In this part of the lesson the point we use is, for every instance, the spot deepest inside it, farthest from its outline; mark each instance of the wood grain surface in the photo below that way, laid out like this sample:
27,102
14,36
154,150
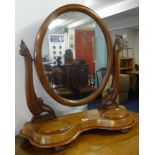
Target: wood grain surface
94,142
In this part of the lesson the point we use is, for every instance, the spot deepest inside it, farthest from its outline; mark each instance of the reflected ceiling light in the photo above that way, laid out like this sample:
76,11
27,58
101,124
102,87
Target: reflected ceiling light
55,23
79,22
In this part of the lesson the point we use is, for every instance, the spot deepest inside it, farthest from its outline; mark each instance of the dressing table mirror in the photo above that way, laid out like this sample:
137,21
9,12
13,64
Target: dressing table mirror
74,59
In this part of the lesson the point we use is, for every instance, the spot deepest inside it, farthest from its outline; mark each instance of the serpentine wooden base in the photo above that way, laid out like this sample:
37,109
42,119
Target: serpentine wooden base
65,129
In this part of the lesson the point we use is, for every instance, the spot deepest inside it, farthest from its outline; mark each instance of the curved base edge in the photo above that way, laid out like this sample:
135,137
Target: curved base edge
67,128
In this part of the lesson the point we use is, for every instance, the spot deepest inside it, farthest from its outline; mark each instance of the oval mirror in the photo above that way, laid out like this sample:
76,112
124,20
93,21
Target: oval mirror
74,55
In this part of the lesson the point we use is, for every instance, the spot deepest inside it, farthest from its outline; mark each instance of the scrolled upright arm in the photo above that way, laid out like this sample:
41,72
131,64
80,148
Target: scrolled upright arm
37,107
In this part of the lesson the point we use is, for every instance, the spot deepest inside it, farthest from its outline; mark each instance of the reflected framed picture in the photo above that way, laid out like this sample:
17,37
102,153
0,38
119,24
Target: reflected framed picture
71,45
71,38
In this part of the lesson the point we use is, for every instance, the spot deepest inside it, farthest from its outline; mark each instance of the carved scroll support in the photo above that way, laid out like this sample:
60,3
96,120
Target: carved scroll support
110,101
37,107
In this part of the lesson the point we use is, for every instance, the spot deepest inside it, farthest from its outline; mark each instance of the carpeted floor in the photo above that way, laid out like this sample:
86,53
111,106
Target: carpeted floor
131,104
133,101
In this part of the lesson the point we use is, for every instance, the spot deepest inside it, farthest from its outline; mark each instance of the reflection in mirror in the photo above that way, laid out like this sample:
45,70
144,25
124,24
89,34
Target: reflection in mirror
74,55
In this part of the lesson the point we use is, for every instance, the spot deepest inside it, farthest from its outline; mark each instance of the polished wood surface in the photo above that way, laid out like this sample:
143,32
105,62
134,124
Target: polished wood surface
67,128
94,142
39,63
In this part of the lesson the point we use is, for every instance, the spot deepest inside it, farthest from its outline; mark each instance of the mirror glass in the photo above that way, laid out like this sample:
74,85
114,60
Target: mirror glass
74,55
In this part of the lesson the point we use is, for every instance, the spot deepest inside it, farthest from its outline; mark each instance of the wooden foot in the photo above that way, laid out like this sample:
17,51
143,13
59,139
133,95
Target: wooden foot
60,148
125,130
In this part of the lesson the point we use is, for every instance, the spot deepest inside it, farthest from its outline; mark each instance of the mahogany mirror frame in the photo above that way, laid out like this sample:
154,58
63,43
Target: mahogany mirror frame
38,54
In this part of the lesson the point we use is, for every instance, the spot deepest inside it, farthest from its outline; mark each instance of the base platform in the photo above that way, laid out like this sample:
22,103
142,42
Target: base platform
65,129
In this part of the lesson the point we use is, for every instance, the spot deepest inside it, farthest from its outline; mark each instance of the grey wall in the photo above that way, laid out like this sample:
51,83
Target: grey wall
133,39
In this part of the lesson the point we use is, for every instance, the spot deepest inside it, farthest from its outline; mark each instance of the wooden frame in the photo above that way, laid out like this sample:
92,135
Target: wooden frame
38,49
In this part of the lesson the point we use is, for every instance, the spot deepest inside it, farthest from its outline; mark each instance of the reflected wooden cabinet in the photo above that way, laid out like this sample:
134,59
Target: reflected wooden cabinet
70,81
127,61
127,65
